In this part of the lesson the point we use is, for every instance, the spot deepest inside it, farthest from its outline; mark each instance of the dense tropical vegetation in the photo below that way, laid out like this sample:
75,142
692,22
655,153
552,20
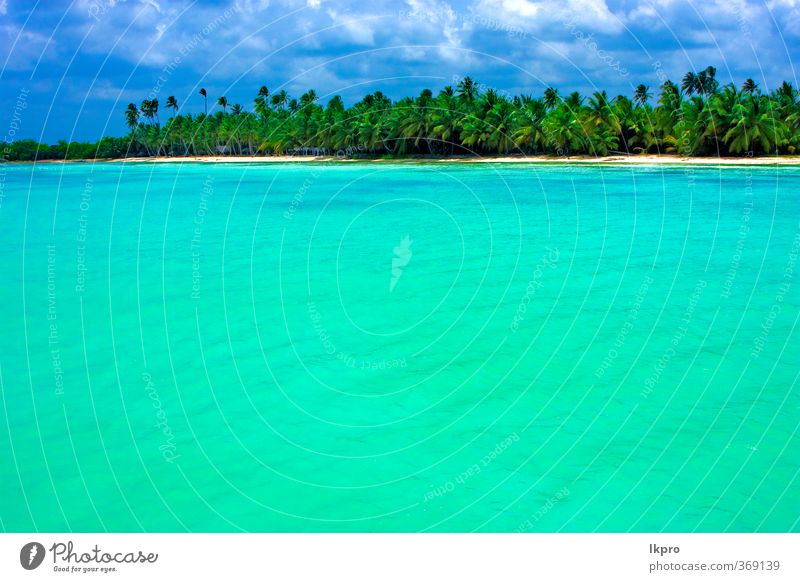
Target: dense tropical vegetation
696,118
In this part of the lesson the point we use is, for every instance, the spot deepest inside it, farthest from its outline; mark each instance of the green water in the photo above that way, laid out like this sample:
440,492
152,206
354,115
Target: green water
369,347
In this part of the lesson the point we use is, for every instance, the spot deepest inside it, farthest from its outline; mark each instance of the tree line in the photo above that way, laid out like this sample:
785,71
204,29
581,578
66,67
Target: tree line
696,118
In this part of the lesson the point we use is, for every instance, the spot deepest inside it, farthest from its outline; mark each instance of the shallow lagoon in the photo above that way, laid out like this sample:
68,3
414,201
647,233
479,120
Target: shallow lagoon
381,347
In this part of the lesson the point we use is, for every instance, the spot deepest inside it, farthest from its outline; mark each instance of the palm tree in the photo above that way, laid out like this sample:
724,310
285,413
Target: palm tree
786,94
172,103
601,124
424,99
702,83
695,130
132,116
132,121
530,118
755,125
308,98
635,125
500,122
709,81
467,90
749,86
416,124
574,101
260,103
601,112
669,90
447,118
669,100
148,109
642,94
280,98
697,118
563,129
689,83
205,99
336,104
490,99
260,107
550,97
474,131
371,131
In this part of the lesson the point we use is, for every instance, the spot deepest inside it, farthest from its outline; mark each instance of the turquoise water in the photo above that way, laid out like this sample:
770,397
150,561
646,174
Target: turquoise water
370,347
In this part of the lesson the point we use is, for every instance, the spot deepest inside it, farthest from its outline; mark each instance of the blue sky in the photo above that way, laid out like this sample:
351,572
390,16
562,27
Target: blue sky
78,64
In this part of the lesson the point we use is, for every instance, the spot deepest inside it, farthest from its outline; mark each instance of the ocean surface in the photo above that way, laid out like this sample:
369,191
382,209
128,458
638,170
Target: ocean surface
399,347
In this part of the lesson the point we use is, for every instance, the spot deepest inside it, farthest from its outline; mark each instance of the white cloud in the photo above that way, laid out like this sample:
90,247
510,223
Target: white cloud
28,46
253,5
593,15
788,14
356,30
106,91
438,15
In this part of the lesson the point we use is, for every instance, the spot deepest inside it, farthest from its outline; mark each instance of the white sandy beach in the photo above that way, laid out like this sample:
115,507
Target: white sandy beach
624,160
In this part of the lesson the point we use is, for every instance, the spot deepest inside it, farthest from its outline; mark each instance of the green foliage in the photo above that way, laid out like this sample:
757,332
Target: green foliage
28,150
695,118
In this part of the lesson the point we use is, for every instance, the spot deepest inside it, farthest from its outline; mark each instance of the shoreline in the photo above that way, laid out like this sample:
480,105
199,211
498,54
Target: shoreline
646,159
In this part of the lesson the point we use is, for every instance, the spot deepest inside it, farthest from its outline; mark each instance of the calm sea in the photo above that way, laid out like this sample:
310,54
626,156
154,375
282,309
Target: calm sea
399,347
